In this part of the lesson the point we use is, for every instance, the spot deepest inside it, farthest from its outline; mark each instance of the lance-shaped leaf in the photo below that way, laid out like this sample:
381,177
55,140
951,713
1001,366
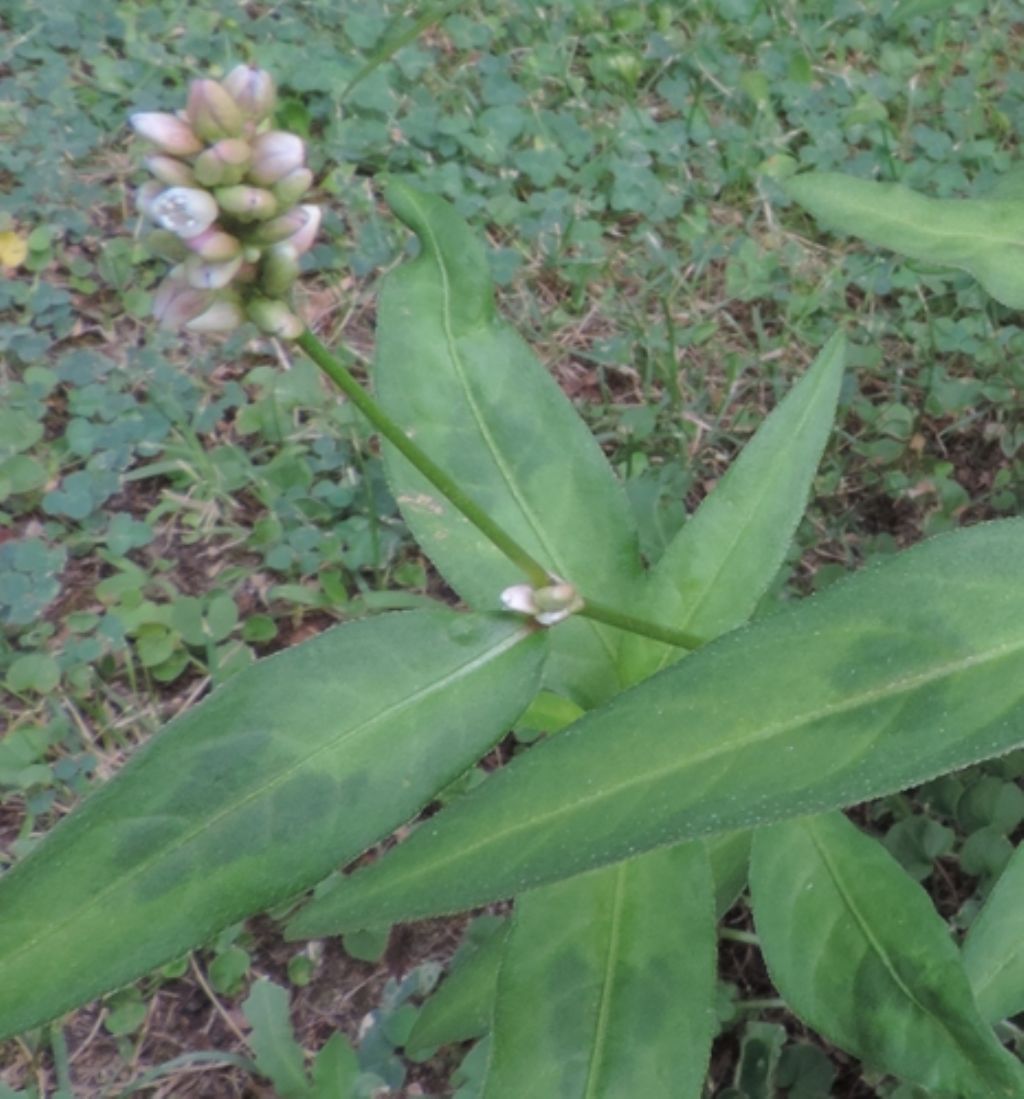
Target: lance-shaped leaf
994,947
984,237
857,950
910,668
463,1007
479,403
722,561
606,983
295,765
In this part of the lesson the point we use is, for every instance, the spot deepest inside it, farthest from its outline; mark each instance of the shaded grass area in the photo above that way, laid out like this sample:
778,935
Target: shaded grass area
172,509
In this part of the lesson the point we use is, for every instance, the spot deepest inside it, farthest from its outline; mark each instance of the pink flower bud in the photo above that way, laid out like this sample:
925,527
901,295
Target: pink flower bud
274,155
212,111
224,315
169,133
176,303
252,89
247,203
275,318
215,246
210,276
174,173
279,270
186,211
290,188
302,239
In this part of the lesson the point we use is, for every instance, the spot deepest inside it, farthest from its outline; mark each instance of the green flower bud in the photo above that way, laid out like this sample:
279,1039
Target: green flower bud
279,270
175,173
246,203
168,132
252,89
186,211
275,318
290,188
212,112
281,227
274,155
224,163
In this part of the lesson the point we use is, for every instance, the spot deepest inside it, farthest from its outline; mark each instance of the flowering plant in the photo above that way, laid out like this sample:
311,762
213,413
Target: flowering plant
226,196
670,779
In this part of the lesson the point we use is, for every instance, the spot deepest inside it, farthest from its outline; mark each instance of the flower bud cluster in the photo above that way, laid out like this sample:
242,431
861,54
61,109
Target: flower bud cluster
225,200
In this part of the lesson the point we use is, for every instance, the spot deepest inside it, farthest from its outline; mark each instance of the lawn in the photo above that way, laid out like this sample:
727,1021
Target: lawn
173,508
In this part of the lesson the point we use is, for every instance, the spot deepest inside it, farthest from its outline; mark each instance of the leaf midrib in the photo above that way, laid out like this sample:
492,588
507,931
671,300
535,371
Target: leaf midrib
611,961
849,901
541,821
506,474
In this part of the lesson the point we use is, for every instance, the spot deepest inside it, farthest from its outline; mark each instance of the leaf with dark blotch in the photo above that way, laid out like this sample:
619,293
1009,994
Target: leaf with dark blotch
910,668
296,765
857,950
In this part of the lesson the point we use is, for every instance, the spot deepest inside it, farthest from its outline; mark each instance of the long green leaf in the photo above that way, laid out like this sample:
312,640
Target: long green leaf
908,669
984,237
606,982
294,766
858,951
994,947
463,1007
720,564
489,414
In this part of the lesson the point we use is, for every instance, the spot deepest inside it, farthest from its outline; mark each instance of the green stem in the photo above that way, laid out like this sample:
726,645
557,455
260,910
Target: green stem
610,617
536,573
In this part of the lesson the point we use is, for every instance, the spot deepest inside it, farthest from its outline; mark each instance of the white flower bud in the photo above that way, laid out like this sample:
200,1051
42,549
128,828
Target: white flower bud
252,89
210,276
169,133
224,315
186,211
519,598
176,303
274,155
548,605
302,239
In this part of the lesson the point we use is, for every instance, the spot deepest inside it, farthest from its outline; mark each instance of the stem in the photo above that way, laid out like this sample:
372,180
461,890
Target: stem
738,936
611,617
338,373
536,573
